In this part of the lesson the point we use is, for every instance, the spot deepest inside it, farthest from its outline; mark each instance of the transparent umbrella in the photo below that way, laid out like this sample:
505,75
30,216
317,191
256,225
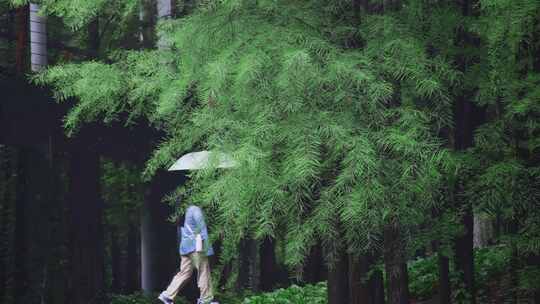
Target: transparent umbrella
203,159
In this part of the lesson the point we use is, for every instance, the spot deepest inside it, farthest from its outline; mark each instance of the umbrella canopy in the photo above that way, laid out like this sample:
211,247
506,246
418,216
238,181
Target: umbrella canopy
201,160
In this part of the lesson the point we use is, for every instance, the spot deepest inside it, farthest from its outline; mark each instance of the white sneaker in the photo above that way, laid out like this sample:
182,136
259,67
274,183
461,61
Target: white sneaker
199,301
166,300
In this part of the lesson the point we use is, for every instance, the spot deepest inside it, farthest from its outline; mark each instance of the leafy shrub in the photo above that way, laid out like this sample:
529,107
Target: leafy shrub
423,277
309,294
138,298
490,263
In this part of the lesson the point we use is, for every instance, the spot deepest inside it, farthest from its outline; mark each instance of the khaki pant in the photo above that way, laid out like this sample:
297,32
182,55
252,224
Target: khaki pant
187,264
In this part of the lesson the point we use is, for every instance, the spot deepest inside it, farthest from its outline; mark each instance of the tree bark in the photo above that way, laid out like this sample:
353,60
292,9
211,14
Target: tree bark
38,39
444,278
395,266
249,272
8,182
338,280
159,252
377,283
314,269
20,260
149,238
94,39
131,273
360,285
464,112
22,37
464,244
483,230
443,263
464,253
86,241
115,261
534,261
270,270
147,19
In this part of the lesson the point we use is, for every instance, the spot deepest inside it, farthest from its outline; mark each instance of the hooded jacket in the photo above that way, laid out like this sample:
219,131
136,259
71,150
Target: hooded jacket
194,224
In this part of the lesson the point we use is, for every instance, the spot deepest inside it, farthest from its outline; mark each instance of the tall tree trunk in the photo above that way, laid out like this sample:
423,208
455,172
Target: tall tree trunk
444,277
249,275
115,261
482,231
8,184
94,39
360,287
157,264
270,270
21,252
86,241
159,252
131,265
464,254
395,266
149,273
464,126
4,220
377,283
443,264
22,34
243,265
147,19
314,269
464,244
533,260
338,279
254,266
38,39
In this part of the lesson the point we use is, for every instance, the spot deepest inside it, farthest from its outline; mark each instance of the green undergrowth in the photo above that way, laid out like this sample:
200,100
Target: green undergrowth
492,276
312,294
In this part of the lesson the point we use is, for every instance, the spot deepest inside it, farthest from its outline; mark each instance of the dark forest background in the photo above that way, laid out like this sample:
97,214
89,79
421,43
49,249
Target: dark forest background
390,148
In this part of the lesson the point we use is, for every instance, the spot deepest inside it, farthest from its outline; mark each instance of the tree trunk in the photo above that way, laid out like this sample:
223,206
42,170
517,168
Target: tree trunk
534,261
115,261
94,39
464,244
314,269
444,278
147,19
159,252
270,270
443,265
483,230
360,285
254,266
4,221
465,255
377,283
249,265
464,127
8,183
21,252
22,36
38,39
131,266
149,238
395,266
87,254
338,280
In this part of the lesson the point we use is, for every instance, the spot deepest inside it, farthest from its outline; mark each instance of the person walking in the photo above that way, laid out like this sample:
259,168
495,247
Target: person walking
195,248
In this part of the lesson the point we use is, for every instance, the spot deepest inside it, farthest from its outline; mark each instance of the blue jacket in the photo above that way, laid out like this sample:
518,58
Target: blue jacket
193,224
